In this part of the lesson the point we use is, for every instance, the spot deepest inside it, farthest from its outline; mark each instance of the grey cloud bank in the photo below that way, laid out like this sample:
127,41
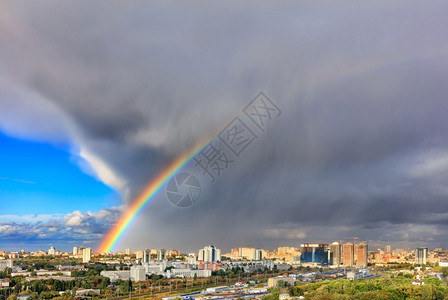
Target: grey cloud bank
360,147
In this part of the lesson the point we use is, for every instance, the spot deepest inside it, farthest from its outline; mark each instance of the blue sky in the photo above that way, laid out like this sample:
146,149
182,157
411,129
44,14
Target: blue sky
42,178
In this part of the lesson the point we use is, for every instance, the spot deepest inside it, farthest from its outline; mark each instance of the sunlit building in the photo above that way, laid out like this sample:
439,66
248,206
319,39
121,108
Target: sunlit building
86,255
421,256
161,254
361,254
51,251
336,253
348,254
209,254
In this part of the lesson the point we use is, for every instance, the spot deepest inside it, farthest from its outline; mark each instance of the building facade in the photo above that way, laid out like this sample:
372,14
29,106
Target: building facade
209,254
361,254
336,253
161,254
315,253
421,256
86,255
138,273
348,254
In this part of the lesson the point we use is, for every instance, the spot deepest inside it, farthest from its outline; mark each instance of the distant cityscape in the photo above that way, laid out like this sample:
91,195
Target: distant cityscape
173,263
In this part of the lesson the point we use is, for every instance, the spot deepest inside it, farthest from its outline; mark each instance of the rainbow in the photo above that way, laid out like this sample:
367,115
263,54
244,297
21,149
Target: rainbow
149,193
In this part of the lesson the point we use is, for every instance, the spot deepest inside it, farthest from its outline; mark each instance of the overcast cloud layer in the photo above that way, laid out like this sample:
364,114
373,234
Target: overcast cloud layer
360,148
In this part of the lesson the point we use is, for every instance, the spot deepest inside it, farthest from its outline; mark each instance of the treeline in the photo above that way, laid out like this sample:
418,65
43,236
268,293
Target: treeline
49,288
378,288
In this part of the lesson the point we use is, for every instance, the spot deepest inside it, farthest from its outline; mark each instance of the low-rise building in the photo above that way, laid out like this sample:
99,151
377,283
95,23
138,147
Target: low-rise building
84,292
8,263
115,275
273,281
187,273
4,283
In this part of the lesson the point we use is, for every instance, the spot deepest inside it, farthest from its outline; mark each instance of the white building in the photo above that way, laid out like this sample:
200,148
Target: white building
187,273
51,251
9,263
191,260
161,254
4,283
138,273
115,275
86,255
209,254
157,268
75,250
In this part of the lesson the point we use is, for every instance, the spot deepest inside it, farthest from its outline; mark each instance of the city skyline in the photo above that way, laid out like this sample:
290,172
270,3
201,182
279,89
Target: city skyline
336,254
224,250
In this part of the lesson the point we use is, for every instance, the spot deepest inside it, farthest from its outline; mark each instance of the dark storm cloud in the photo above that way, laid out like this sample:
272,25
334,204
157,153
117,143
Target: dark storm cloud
359,149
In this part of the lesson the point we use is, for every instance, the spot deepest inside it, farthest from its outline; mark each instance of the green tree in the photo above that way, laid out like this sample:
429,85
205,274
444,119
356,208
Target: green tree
426,292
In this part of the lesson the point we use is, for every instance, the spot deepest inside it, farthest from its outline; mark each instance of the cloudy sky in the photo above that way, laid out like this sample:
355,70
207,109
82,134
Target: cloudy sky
98,97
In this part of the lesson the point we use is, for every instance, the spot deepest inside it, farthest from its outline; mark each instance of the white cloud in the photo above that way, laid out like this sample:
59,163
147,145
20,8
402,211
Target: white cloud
76,219
430,164
70,227
104,172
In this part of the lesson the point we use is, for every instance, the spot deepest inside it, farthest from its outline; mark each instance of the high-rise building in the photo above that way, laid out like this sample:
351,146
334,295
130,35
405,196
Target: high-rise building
128,251
246,253
361,254
146,256
86,255
51,251
209,254
348,254
336,251
161,254
421,256
258,254
235,252
75,250
315,253
387,249
218,255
